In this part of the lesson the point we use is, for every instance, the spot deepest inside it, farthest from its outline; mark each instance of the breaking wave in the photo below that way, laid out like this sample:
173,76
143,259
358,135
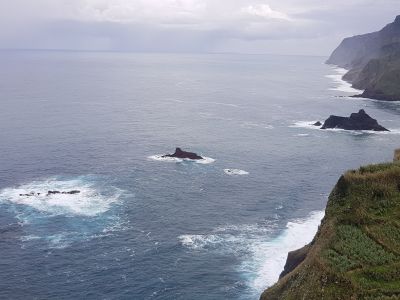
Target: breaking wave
261,249
58,220
342,85
91,200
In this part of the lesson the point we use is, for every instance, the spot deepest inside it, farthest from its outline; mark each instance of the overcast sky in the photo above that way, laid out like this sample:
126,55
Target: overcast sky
311,27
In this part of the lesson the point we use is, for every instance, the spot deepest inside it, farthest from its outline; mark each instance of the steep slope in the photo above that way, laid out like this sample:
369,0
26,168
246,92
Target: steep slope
356,252
373,61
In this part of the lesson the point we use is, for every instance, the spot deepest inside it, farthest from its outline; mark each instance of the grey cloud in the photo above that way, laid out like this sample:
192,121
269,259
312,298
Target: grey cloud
280,26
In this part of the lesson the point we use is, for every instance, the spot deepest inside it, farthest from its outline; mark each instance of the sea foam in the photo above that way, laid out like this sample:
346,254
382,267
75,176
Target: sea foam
269,256
91,201
235,172
262,253
342,85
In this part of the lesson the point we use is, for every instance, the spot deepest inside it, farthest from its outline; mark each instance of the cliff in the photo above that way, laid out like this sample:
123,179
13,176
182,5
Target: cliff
373,61
356,251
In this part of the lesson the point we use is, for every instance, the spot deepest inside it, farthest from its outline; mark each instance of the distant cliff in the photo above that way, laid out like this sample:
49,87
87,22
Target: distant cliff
373,61
356,251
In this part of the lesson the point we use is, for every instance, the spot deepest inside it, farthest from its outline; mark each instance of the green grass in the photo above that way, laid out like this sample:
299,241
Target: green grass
356,254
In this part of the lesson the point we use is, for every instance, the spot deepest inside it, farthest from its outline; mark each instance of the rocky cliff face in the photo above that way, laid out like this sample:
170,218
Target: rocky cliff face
356,252
373,61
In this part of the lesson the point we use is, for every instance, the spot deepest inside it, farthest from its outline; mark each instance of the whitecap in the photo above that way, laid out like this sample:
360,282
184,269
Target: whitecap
235,172
31,237
198,241
342,85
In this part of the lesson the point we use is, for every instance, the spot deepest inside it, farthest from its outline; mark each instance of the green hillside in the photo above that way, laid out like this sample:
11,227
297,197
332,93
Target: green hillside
356,252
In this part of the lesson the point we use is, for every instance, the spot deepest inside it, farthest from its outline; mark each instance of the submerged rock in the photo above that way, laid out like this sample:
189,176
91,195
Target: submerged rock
31,194
179,153
356,121
74,192
53,193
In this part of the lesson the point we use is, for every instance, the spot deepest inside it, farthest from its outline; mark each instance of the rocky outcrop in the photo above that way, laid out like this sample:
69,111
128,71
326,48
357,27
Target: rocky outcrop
318,123
294,259
179,153
355,253
373,61
356,121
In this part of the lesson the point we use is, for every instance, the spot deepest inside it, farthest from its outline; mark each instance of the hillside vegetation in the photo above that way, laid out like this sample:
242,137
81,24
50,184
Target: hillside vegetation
356,252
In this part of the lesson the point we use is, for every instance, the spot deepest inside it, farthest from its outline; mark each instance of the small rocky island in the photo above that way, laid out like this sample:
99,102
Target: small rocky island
356,121
179,153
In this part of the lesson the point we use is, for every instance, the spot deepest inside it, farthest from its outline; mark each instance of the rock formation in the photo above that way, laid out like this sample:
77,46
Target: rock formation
179,153
356,121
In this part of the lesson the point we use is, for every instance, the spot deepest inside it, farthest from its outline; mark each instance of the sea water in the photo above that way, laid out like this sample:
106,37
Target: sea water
145,227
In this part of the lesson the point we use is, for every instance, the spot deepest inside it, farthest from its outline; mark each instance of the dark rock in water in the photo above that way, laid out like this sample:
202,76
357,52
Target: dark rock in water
28,195
294,259
356,121
74,192
53,192
179,153
317,123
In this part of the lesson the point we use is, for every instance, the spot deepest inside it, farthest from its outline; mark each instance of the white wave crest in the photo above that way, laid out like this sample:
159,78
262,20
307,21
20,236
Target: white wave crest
235,172
305,124
89,202
342,85
161,157
263,256
269,257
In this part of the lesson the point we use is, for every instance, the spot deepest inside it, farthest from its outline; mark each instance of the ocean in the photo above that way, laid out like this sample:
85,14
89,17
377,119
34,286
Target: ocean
143,227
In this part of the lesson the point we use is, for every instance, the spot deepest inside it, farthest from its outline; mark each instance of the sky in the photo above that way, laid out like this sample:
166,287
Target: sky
302,27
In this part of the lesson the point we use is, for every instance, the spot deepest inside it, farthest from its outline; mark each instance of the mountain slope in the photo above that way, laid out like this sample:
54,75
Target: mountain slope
356,252
373,61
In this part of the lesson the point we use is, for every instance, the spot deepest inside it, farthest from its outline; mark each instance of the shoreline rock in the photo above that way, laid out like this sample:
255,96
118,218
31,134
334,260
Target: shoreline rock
294,259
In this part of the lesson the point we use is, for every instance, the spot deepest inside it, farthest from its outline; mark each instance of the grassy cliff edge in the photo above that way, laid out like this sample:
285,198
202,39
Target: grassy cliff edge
356,251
